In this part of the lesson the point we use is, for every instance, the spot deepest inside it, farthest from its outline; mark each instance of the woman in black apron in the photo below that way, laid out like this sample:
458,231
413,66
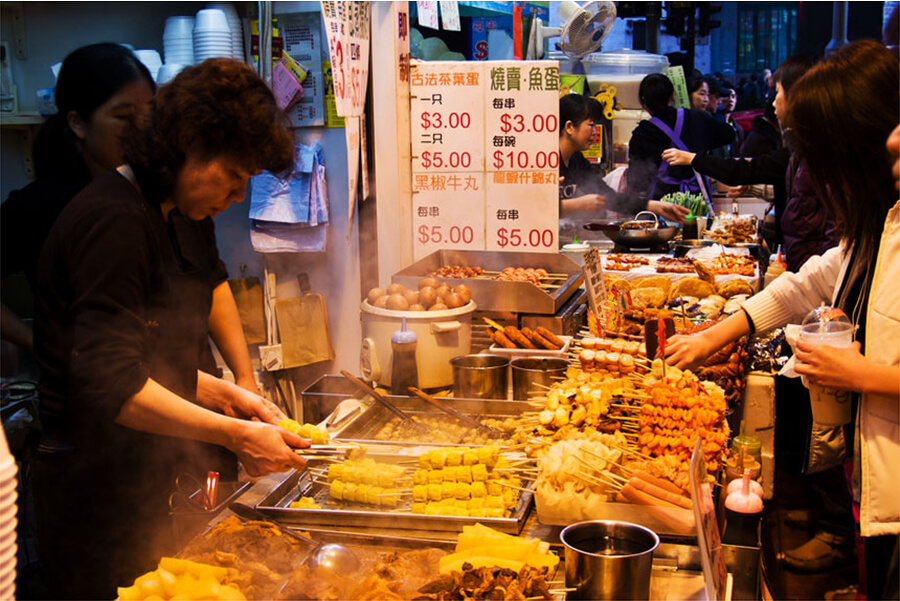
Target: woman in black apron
648,175
123,300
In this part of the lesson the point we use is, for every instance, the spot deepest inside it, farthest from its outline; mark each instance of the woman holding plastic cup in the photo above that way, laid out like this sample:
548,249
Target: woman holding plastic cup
852,175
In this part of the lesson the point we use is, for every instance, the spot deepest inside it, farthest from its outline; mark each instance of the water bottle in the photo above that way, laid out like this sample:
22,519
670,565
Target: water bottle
689,229
404,370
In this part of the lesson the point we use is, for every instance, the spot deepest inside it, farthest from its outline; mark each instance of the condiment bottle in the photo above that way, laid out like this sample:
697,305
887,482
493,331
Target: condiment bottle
776,267
744,443
404,370
689,229
743,510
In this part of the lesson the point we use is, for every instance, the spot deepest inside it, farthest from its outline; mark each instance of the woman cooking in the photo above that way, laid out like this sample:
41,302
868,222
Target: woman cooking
121,316
582,192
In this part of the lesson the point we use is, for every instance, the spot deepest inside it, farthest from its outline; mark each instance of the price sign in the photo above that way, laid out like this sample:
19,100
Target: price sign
448,212
712,558
522,115
522,211
446,117
347,25
593,281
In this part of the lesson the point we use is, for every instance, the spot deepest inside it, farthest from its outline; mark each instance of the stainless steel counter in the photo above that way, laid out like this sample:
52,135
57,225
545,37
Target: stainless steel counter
677,573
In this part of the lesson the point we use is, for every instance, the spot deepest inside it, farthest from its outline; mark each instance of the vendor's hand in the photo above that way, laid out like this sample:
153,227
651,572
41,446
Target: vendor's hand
829,366
250,405
688,351
669,210
735,191
673,156
264,449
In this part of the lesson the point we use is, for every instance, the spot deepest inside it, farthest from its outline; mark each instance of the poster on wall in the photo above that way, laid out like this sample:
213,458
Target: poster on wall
301,35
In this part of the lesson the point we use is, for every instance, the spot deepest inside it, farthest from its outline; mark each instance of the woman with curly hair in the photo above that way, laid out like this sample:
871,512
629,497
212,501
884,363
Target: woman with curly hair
121,317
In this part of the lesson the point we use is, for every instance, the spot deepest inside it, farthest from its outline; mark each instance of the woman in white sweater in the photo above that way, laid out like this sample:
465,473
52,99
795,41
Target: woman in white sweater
852,174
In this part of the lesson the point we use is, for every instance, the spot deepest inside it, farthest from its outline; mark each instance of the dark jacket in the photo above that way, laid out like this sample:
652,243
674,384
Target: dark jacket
767,169
701,132
808,231
764,137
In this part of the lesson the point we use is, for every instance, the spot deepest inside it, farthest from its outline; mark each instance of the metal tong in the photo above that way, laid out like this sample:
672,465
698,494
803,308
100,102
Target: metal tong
407,419
471,421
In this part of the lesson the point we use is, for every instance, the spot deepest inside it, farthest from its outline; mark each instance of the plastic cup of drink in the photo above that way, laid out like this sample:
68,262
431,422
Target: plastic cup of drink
830,407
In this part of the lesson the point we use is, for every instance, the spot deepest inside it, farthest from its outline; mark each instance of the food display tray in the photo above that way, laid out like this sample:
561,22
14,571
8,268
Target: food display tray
364,428
495,295
300,483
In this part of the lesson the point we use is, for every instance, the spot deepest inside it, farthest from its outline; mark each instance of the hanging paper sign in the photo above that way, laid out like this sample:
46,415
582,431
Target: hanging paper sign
428,13
676,76
450,15
448,212
594,284
302,40
347,25
351,131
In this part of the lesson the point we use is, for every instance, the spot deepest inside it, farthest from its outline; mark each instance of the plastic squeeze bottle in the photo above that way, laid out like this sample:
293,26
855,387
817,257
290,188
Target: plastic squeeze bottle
404,370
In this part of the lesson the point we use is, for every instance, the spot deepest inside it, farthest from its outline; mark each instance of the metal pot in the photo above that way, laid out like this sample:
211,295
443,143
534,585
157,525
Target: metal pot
608,559
441,335
528,371
480,376
635,237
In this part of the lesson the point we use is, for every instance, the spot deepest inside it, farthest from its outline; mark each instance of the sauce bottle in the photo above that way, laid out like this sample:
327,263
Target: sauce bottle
404,370
689,229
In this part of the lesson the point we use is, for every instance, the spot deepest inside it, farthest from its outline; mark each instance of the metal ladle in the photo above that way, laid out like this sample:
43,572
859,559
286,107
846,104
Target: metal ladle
337,558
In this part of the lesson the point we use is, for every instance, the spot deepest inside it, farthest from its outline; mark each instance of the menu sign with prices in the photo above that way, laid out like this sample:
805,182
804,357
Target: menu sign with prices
712,558
302,39
347,25
491,131
522,140
593,280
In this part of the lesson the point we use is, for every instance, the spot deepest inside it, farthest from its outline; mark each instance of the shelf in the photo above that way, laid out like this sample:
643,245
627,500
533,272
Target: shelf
14,119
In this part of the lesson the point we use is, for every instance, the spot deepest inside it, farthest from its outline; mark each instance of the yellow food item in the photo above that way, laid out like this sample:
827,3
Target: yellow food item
181,579
479,543
305,503
309,431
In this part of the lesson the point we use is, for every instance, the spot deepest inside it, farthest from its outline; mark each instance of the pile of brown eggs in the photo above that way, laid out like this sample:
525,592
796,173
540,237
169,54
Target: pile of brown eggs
432,295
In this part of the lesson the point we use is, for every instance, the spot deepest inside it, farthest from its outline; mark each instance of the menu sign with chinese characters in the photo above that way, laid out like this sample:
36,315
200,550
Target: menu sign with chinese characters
485,155
522,137
347,29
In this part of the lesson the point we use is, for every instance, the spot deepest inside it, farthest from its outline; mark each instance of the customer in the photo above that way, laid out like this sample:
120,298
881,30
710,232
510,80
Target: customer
98,89
695,130
698,92
801,225
122,309
582,192
764,136
860,277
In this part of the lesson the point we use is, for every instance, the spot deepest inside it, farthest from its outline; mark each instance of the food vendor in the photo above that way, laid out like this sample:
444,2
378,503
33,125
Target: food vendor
120,319
583,195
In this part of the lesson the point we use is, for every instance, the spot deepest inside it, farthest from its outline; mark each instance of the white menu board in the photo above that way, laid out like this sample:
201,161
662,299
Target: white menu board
485,155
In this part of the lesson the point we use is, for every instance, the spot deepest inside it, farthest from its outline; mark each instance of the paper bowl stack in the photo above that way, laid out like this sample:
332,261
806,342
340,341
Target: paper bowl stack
178,41
8,520
212,35
234,25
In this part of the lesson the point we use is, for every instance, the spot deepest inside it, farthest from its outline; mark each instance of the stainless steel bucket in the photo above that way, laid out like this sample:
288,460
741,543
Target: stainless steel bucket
480,376
528,371
608,560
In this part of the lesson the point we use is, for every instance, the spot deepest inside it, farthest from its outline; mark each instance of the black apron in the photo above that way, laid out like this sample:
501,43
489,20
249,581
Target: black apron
111,521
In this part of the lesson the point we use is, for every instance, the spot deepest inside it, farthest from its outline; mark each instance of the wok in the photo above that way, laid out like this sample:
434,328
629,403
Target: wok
658,234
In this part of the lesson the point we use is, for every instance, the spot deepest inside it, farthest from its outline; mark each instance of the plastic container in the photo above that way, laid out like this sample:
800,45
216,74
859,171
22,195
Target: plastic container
623,69
828,325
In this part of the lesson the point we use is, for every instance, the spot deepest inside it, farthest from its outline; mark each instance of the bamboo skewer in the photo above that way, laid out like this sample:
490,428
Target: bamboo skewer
514,487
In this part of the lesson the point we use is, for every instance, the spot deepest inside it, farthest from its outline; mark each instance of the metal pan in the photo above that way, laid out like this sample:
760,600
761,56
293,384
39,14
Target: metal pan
634,238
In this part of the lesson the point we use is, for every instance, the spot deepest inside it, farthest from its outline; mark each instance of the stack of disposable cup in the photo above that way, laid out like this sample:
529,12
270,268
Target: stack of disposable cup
826,325
234,25
212,36
8,520
178,41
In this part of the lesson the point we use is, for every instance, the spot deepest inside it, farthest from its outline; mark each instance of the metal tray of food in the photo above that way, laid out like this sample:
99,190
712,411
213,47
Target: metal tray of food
366,428
347,514
495,295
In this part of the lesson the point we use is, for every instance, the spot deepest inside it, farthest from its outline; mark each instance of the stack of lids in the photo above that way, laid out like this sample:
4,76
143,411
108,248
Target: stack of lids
8,520
234,25
212,35
178,41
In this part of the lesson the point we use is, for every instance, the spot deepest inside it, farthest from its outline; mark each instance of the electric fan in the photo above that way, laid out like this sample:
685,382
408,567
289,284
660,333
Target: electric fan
583,29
